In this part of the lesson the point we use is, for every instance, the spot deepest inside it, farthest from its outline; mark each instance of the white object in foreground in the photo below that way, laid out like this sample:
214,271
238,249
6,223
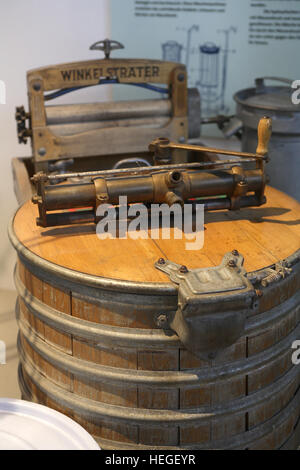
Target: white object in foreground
29,426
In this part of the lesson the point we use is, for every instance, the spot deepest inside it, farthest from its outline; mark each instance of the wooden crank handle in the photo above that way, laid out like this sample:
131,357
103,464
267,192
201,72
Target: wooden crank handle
264,132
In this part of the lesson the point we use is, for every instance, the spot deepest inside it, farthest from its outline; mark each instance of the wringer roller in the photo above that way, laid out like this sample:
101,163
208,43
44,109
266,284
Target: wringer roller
221,184
96,135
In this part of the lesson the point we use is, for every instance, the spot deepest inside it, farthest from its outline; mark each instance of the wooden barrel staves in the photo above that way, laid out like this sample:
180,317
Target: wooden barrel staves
97,321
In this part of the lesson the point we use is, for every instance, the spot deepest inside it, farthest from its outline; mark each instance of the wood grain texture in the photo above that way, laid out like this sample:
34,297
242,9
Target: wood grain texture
107,141
262,235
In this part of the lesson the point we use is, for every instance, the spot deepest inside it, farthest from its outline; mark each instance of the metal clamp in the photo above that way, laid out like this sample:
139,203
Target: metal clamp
101,191
279,272
212,304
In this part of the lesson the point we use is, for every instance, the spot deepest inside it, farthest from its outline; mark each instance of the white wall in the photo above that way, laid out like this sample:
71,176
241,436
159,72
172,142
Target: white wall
35,33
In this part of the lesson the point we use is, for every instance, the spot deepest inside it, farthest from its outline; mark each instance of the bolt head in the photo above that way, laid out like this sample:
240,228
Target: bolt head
231,263
101,197
35,199
42,151
161,261
211,356
183,269
161,321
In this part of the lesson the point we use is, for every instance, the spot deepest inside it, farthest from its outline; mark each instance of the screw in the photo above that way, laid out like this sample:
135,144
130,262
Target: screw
231,263
42,151
161,321
211,355
183,269
35,199
161,261
180,77
102,197
37,86
235,253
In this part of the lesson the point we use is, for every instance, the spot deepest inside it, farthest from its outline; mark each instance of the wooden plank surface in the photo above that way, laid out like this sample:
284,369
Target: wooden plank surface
263,235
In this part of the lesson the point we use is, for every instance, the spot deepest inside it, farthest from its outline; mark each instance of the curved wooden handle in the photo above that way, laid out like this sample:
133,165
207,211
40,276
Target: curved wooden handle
264,132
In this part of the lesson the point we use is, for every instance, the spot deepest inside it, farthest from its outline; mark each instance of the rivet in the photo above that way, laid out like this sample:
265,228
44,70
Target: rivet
42,151
161,261
35,199
161,320
183,269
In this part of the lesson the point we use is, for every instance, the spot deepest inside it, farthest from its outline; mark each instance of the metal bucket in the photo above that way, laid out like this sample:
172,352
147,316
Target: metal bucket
275,102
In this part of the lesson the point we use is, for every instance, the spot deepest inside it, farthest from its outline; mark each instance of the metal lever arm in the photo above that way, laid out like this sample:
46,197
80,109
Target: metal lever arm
161,147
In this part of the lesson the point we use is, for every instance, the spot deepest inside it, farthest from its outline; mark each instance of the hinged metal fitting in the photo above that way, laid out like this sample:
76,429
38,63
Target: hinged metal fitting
212,304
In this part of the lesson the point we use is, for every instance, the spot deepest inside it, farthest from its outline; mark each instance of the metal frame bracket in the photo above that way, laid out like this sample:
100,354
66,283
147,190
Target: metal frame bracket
212,304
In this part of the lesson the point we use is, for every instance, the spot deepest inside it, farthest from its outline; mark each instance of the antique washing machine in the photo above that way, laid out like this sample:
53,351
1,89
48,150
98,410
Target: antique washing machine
149,345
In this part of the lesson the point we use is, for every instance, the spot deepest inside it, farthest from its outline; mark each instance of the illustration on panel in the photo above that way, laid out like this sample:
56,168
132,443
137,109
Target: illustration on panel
207,65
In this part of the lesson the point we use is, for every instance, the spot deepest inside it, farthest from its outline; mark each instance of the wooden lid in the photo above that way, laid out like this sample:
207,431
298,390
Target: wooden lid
262,235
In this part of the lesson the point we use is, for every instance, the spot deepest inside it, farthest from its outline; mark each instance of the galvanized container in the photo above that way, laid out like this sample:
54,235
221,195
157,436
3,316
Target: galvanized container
284,149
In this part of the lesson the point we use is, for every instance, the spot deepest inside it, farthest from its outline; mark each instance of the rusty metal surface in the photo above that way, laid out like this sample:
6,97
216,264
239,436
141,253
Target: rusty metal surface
93,410
278,431
206,329
136,340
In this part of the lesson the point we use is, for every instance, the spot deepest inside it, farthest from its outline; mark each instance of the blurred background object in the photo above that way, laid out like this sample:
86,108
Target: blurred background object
32,34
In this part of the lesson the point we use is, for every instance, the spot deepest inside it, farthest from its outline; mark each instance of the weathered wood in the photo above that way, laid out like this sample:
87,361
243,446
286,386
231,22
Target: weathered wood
74,74
80,128
22,184
254,232
50,146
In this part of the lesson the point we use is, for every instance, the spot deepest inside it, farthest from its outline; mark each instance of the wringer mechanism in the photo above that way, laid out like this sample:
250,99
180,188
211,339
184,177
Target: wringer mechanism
221,184
203,321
